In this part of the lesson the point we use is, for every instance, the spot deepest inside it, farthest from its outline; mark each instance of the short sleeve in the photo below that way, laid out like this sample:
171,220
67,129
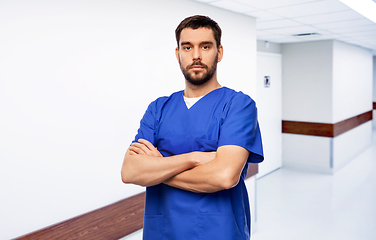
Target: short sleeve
240,127
147,125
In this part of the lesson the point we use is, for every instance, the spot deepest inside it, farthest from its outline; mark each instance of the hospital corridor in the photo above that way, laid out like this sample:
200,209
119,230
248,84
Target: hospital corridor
81,81
302,205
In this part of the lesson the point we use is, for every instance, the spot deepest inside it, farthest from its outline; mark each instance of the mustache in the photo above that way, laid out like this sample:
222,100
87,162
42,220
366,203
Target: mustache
197,63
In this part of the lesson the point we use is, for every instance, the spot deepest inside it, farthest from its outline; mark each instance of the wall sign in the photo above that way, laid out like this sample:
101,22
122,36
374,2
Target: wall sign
267,81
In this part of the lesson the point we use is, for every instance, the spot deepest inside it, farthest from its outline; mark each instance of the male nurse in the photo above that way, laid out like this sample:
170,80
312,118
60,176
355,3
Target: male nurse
193,148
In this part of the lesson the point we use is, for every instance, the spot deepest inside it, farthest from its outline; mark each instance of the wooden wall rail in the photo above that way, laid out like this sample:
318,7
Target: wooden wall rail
325,129
252,170
108,223
374,105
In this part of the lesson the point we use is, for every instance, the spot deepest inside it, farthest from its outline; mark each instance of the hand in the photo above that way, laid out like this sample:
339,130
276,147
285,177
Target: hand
144,147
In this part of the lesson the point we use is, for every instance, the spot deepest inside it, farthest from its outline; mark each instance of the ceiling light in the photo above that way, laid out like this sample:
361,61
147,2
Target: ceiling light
365,7
305,34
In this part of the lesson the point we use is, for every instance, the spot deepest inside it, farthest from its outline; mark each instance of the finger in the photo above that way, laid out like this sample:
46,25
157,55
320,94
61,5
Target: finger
132,153
139,145
142,146
154,151
137,150
150,152
147,144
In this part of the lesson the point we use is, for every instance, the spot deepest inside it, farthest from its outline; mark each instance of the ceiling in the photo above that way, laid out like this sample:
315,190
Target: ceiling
282,21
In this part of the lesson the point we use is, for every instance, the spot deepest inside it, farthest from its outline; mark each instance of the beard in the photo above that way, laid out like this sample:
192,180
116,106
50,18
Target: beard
197,77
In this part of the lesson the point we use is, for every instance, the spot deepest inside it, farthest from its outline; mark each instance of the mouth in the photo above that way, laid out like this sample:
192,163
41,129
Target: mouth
197,66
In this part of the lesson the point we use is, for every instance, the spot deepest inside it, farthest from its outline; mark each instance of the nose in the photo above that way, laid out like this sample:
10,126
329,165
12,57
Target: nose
196,54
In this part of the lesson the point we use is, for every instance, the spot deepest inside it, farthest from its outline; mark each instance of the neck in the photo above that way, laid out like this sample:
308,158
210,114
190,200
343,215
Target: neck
192,91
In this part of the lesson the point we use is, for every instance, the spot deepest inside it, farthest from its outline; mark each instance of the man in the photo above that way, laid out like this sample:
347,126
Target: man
193,148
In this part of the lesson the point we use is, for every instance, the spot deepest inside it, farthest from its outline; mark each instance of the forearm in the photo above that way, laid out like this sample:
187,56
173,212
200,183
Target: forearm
194,181
221,173
147,170
206,178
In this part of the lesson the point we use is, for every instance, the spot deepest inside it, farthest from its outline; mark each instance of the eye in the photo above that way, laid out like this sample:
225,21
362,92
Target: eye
187,48
206,47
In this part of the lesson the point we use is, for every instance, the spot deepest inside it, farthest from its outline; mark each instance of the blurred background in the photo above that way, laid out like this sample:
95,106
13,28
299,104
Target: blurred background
77,76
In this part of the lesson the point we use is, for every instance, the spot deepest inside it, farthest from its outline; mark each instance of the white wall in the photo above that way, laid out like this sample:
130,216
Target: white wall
323,154
352,81
374,90
327,82
75,79
269,107
352,95
350,144
251,184
374,78
269,47
306,152
307,81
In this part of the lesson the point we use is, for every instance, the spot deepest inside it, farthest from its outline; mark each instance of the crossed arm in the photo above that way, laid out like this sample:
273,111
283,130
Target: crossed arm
196,171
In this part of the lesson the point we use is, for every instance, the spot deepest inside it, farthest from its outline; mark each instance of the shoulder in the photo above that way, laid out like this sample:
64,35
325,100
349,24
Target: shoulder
236,99
236,95
160,102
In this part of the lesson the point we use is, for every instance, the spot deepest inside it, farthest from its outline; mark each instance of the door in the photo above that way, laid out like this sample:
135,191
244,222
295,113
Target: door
269,105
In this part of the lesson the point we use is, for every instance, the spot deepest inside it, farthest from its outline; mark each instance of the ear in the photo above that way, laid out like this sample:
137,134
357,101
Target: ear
177,53
220,53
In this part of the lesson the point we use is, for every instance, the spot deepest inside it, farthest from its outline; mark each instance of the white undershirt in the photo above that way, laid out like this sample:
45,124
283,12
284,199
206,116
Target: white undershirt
191,101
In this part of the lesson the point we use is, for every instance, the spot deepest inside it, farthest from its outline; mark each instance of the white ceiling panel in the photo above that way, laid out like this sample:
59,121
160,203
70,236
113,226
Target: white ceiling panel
278,20
288,40
233,6
267,4
205,1
271,37
330,17
288,32
365,38
307,9
359,34
368,28
346,24
277,24
262,16
327,37
263,33
322,31
293,30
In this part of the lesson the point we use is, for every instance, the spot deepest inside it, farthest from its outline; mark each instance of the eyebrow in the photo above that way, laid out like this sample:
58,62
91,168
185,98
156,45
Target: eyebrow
207,43
185,43
202,43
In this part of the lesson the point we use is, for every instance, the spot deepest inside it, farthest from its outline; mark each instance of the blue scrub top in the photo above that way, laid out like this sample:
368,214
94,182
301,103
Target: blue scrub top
222,117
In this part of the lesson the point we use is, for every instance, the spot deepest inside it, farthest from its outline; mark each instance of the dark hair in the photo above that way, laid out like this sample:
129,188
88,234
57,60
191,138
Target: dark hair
199,21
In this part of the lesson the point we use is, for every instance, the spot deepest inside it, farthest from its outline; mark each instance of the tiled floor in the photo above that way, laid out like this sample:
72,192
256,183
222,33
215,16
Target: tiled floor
298,205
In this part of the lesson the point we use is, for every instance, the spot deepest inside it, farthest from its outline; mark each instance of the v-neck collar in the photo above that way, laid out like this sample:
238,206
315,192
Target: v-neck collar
191,101
200,100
